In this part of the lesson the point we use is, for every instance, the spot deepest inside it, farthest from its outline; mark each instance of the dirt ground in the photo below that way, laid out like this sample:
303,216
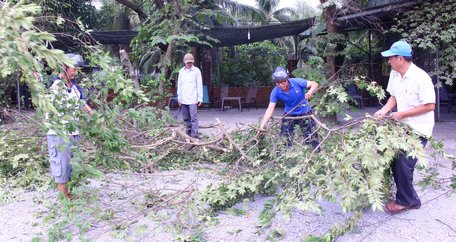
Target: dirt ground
434,221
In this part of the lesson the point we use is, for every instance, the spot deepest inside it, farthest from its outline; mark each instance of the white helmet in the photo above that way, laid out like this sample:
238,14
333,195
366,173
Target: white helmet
279,74
77,59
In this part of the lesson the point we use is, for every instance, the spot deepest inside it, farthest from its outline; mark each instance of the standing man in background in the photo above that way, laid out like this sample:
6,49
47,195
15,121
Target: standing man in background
190,94
412,91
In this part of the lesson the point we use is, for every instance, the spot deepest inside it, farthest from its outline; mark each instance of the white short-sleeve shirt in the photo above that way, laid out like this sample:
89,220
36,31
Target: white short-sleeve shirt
412,90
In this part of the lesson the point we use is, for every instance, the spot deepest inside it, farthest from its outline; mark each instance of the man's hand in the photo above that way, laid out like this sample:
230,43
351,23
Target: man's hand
89,109
308,95
260,133
381,113
199,104
397,116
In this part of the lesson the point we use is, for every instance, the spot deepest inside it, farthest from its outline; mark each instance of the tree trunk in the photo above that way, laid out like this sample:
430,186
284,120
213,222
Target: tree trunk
129,67
166,59
329,14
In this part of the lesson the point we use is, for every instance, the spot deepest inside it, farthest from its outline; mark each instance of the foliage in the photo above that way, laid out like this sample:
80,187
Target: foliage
349,56
344,53
332,97
7,87
71,12
24,51
68,219
114,16
313,70
22,159
270,12
267,12
351,169
171,28
431,26
226,195
252,64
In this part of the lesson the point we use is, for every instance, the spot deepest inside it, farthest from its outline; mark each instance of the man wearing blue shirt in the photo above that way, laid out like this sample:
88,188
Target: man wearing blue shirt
294,93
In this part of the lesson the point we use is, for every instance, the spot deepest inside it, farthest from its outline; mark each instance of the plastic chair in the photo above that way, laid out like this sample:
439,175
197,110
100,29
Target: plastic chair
206,101
445,99
250,99
224,96
172,101
353,92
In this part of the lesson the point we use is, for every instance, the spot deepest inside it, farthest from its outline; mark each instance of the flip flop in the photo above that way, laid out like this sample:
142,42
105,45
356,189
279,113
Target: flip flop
393,207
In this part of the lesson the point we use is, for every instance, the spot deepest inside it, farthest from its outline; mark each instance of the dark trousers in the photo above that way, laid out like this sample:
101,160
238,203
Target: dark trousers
403,168
305,124
190,115
25,95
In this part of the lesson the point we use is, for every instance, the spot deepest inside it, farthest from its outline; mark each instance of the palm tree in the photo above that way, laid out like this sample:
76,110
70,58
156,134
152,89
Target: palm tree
118,17
303,11
236,11
270,13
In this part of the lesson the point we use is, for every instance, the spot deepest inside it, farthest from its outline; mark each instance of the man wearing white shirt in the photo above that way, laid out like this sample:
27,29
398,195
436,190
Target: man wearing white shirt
190,94
412,91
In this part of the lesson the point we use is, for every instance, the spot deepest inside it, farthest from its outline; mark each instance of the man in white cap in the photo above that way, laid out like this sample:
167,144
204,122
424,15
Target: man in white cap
412,92
67,97
190,94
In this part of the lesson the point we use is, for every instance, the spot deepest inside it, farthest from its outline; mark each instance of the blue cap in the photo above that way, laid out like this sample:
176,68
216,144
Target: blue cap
401,48
77,59
279,74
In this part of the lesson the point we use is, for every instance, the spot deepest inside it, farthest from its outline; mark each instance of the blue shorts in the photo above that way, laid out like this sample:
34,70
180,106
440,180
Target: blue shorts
60,156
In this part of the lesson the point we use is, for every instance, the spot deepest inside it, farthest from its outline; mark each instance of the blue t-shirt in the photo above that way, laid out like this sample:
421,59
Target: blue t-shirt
295,95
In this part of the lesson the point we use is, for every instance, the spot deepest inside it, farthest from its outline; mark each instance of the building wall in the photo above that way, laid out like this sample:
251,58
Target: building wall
262,98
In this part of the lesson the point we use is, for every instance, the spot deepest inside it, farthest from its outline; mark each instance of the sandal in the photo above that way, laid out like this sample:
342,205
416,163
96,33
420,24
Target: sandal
393,207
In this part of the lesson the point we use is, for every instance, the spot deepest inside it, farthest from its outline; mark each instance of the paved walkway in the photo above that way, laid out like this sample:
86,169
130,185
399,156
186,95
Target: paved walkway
232,117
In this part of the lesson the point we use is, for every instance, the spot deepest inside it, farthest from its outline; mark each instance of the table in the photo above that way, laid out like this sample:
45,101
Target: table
229,99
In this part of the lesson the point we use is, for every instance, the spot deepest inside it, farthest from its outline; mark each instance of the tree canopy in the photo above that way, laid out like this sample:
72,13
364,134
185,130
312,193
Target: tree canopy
431,27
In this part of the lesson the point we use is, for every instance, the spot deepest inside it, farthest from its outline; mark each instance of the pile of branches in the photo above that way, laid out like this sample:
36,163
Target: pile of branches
350,166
